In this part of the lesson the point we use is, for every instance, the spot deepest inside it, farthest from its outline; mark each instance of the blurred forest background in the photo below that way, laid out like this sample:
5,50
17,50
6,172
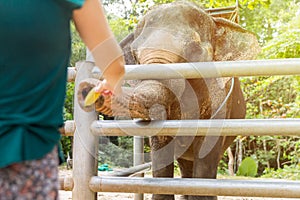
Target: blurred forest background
277,26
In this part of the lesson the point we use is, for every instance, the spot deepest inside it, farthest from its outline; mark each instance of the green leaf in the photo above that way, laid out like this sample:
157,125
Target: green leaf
248,167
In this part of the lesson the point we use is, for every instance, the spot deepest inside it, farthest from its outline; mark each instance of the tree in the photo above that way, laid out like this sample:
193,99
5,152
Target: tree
275,96
286,43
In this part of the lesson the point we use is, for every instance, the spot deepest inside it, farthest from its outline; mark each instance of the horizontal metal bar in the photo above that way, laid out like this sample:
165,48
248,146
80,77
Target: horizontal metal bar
207,69
66,183
188,186
214,69
132,170
71,74
215,127
69,128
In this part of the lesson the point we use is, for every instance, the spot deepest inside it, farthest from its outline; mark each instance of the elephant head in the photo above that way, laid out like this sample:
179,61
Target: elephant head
175,33
181,32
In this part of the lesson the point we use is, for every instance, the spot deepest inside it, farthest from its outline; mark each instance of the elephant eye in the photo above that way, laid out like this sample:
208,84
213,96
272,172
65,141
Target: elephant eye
192,52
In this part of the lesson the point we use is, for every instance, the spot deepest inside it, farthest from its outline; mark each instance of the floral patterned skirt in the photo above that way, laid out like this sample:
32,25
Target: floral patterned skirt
36,179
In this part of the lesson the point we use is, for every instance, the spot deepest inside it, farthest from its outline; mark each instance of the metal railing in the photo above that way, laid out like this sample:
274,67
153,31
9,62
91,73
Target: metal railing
85,182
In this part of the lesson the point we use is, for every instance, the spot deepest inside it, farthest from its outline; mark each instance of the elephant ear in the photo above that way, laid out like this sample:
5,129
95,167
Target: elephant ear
232,42
125,44
177,86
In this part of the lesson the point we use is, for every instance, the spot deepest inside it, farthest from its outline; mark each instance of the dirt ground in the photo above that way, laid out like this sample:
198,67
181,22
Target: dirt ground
67,195
63,195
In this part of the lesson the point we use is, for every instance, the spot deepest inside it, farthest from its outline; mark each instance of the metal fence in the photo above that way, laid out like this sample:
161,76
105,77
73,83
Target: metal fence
86,129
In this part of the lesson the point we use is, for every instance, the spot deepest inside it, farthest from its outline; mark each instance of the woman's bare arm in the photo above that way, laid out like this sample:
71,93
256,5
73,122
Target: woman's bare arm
93,28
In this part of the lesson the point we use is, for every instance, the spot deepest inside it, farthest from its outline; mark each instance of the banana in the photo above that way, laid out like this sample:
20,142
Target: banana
91,97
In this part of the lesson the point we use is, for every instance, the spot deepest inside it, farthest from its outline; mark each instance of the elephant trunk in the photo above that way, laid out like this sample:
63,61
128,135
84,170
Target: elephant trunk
104,102
139,102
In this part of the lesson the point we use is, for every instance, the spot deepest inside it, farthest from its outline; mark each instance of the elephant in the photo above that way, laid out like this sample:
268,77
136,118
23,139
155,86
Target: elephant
181,32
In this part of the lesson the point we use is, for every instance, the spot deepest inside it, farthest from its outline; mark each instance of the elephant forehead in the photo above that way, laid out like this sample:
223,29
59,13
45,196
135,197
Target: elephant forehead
176,20
174,13
160,38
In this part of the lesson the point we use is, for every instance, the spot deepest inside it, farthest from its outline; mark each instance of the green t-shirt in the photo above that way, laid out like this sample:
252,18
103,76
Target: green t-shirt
34,56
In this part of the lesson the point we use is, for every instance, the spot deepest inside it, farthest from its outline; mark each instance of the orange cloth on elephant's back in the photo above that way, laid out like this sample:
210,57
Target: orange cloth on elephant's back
34,56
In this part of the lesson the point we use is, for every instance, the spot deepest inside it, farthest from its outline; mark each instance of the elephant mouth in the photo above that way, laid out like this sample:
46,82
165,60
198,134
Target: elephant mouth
157,56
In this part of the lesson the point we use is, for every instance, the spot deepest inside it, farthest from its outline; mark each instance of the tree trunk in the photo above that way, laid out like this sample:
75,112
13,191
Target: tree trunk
240,151
278,153
230,162
265,150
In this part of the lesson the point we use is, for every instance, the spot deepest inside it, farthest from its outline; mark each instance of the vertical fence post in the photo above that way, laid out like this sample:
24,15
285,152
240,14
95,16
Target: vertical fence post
85,149
138,159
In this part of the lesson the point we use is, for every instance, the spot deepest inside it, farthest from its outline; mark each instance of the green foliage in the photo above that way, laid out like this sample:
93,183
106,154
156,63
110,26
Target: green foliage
253,4
248,167
78,47
272,97
121,155
291,172
217,4
269,97
69,102
66,143
121,28
271,151
223,165
286,45
275,96
68,115
268,17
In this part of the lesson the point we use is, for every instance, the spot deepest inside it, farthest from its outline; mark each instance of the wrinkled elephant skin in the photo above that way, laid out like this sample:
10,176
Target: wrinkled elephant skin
181,32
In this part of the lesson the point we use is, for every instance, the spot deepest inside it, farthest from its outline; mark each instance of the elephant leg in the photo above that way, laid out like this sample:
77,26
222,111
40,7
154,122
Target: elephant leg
186,170
162,150
206,159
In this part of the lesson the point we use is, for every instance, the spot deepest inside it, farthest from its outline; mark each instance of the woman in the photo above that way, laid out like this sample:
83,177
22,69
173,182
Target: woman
34,55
